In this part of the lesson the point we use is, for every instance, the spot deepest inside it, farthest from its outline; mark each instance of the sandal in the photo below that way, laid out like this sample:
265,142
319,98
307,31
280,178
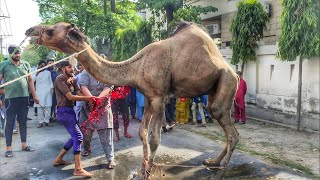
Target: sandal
48,124
86,153
39,125
111,164
28,148
8,154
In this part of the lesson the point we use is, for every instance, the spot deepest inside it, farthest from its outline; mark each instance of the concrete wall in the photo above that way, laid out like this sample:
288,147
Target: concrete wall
273,88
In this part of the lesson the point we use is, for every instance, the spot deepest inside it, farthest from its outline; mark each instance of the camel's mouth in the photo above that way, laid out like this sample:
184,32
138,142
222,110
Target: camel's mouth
33,32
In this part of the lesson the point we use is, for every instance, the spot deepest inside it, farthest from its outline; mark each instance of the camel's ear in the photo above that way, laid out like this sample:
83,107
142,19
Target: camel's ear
71,26
76,35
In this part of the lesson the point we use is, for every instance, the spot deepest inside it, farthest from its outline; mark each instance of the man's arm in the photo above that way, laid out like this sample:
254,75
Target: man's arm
72,97
105,92
32,90
85,91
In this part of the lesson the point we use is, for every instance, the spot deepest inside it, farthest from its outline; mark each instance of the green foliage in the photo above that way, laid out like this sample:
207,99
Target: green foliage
159,4
300,30
1,57
31,56
129,41
88,15
191,14
34,54
186,13
247,29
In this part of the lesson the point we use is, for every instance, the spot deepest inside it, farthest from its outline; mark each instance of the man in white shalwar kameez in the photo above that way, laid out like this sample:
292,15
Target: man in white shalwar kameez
44,90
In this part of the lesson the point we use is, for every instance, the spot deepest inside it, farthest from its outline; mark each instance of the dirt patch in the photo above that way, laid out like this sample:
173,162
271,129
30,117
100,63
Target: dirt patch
280,145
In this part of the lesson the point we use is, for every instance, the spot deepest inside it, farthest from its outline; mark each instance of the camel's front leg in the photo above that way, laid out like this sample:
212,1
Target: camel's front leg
158,117
143,133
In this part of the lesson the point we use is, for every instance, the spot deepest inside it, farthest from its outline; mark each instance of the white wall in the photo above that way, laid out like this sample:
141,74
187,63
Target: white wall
279,92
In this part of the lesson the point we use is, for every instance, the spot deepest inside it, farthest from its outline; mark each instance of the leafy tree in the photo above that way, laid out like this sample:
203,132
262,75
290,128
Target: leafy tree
180,12
92,17
191,14
300,36
138,36
168,7
247,29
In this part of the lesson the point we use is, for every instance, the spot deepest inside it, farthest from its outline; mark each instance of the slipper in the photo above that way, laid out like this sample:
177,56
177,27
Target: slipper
28,148
48,124
8,154
111,164
63,162
86,153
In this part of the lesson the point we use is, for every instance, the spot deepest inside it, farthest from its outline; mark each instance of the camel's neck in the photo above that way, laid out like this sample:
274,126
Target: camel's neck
105,71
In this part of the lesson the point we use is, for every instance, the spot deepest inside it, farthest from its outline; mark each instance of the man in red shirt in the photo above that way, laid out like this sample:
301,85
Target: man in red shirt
239,102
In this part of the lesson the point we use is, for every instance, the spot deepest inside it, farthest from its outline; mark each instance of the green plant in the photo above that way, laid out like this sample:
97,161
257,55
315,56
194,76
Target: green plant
300,36
247,29
129,41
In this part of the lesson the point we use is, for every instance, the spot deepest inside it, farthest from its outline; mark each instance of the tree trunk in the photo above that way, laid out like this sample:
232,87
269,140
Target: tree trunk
180,3
299,94
113,6
242,67
113,9
169,13
105,7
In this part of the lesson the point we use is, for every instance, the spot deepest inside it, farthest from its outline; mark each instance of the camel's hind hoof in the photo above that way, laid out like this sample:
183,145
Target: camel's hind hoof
211,163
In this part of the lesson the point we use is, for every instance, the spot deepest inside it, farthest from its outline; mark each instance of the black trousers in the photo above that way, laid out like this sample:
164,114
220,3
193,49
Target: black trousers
16,108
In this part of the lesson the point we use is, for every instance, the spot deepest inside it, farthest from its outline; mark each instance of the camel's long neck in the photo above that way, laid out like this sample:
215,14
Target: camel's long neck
111,73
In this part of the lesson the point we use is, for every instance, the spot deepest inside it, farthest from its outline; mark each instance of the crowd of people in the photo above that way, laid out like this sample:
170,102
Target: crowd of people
84,105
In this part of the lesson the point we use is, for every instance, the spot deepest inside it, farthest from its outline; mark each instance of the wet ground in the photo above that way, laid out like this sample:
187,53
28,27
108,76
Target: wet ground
179,157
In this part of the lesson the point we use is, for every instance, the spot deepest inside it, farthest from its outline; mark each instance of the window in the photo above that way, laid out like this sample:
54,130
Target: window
291,71
271,70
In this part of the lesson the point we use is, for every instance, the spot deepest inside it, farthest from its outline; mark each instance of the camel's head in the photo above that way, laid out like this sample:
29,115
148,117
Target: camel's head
63,37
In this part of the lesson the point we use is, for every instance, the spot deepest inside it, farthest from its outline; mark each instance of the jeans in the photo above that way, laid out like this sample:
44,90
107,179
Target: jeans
16,108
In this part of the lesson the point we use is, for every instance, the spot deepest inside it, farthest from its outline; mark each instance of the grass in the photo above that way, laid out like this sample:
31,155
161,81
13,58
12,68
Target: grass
273,158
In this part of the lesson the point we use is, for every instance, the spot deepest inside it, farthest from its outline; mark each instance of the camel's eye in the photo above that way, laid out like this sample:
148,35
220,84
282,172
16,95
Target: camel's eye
49,32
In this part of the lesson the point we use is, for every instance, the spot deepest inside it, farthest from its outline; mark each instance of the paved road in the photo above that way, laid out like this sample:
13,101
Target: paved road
179,150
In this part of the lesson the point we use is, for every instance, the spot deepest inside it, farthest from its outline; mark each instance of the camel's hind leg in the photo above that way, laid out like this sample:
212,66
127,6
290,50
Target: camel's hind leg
221,102
143,133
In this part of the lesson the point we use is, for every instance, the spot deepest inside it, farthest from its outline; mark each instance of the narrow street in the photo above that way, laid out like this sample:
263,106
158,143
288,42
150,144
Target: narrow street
180,153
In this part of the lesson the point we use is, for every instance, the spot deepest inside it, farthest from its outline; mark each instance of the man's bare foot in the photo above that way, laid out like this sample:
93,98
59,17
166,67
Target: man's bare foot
82,172
111,164
60,162
127,135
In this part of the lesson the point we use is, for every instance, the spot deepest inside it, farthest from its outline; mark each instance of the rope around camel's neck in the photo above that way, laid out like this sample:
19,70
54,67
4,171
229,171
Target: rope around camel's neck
72,60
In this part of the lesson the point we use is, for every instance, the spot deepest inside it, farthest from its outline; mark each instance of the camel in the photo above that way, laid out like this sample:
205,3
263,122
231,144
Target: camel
186,64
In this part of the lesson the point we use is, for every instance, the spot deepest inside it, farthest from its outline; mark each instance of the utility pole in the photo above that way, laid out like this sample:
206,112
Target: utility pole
4,31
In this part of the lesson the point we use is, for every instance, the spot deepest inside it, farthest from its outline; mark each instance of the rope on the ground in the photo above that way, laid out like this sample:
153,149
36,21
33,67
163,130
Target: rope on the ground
198,167
71,57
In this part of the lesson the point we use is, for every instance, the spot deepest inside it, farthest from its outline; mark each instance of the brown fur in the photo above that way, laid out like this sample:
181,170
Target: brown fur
187,64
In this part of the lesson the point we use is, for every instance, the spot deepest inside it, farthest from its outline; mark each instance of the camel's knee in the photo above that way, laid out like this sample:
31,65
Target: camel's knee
217,111
154,143
143,134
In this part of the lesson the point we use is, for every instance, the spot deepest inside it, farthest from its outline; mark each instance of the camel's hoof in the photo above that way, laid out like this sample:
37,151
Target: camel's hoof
210,162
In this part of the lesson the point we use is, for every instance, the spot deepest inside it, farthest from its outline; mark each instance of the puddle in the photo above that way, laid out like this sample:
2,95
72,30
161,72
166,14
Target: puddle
168,167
